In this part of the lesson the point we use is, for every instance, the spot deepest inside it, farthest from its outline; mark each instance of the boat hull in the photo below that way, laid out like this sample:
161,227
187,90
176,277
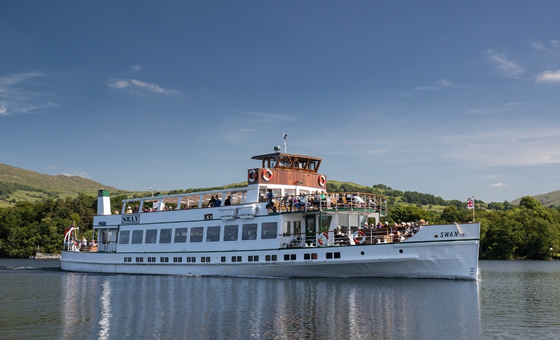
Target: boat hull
453,259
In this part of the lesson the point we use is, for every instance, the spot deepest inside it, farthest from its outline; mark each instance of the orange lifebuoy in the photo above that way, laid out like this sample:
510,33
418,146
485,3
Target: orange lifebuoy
323,238
322,180
359,235
252,176
267,175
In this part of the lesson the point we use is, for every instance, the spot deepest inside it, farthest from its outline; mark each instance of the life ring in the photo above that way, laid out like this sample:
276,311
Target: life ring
323,239
322,180
252,176
358,234
267,175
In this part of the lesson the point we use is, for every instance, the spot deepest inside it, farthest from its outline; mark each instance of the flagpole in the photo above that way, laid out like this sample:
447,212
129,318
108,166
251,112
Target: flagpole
473,209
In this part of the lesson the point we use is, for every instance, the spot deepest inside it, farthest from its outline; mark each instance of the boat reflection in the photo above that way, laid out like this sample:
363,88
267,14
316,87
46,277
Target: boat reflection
175,307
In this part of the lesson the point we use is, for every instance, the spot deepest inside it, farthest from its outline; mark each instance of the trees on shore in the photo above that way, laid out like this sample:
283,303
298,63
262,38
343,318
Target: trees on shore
529,230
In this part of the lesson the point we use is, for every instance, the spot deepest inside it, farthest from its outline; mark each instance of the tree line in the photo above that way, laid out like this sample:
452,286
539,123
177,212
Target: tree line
529,231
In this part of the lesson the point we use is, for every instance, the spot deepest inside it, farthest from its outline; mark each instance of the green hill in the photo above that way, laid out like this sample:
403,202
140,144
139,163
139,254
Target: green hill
17,185
548,199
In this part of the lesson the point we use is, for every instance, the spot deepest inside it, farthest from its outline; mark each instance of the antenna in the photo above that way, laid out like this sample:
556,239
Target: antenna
285,137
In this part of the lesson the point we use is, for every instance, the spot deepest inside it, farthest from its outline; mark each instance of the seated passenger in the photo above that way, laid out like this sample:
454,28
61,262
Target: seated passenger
217,202
227,201
211,202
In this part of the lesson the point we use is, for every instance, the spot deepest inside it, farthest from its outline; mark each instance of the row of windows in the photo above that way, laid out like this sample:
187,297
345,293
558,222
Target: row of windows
250,258
213,234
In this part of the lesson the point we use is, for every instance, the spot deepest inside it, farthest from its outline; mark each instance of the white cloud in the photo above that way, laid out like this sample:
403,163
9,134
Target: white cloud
3,110
135,68
124,83
118,83
152,87
548,77
438,85
537,44
82,174
508,67
498,185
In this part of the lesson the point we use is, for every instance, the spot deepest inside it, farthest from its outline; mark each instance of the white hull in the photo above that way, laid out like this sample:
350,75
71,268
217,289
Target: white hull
445,259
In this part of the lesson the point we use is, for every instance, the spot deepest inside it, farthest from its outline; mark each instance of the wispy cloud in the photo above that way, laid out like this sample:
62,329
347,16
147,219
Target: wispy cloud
270,117
537,44
508,67
82,174
438,85
503,147
497,185
135,68
134,83
495,110
551,46
548,77
23,93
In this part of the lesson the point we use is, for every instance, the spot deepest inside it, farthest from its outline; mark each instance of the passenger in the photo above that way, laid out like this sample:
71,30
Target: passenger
270,199
295,202
136,209
211,202
316,200
285,202
128,210
217,202
227,201
84,242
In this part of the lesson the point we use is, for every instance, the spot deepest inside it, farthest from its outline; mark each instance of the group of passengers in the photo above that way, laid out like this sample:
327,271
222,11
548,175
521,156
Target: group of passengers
216,201
399,230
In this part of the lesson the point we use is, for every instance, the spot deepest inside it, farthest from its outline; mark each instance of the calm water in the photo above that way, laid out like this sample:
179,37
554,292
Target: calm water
512,300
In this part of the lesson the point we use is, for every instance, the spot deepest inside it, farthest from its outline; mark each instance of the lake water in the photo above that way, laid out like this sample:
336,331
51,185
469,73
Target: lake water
513,300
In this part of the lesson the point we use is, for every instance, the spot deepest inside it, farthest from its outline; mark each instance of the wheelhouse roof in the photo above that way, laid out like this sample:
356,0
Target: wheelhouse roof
279,160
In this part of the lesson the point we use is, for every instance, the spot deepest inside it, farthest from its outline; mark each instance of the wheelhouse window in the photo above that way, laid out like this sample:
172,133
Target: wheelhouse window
196,234
137,236
269,230
151,236
124,237
180,235
165,236
231,232
213,234
249,231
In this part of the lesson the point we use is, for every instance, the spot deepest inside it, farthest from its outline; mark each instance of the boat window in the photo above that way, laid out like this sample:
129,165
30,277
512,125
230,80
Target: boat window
231,232
288,228
249,231
151,235
269,230
213,234
325,223
297,227
137,236
124,236
165,236
196,234
180,235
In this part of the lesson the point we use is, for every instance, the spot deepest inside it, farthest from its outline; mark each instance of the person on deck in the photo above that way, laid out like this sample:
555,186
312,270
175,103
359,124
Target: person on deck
227,201
211,202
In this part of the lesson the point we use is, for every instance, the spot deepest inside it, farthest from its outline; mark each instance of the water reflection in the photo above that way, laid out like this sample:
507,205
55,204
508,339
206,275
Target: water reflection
173,307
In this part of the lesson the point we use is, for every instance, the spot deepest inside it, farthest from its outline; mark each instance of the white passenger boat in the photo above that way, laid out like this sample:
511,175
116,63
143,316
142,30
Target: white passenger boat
303,231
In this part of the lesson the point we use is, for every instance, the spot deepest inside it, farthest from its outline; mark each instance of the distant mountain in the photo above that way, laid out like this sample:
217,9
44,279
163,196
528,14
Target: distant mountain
551,198
18,185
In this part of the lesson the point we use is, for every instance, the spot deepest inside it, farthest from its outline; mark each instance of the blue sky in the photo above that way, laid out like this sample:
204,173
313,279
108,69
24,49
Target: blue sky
456,99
